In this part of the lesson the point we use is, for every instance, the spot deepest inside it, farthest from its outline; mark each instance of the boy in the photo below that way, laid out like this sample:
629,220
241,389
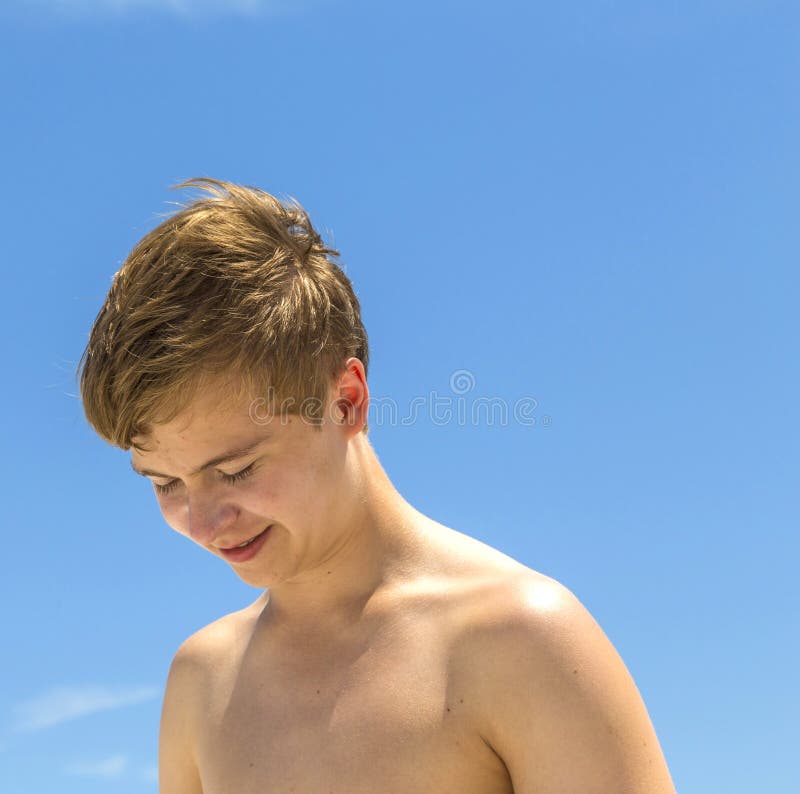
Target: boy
388,653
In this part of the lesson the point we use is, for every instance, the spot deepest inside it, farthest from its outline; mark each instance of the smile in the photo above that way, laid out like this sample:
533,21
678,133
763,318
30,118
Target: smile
247,550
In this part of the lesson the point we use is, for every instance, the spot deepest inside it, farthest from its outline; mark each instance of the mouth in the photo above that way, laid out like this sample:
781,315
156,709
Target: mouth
245,544
247,550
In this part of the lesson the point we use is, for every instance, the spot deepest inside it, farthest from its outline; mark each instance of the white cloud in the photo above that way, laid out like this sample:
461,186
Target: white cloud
68,703
109,768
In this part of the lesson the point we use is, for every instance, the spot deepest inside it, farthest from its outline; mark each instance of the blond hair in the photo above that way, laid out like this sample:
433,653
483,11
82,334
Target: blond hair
236,283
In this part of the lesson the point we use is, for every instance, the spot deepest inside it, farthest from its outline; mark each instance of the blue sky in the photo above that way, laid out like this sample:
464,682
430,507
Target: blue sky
588,206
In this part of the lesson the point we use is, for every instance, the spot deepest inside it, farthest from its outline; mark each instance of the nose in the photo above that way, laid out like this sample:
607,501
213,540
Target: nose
209,517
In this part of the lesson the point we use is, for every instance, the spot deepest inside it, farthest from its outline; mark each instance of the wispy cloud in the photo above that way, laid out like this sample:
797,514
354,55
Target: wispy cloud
68,703
109,768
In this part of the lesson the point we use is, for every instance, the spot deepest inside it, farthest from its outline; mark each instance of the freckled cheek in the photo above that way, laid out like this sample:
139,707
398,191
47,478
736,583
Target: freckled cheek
276,496
284,497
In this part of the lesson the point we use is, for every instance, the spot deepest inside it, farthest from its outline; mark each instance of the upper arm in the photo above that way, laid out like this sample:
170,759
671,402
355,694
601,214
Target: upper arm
177,763
562,710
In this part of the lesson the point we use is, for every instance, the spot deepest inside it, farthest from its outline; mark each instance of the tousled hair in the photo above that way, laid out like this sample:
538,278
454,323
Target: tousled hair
236,286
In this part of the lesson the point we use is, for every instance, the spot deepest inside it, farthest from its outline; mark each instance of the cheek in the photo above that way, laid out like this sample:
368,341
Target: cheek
295,495
175,512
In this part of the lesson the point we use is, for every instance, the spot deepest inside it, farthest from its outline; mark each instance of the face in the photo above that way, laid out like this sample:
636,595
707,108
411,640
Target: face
286,485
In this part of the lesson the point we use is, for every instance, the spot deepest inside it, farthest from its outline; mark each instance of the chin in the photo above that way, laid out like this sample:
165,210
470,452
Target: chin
255,578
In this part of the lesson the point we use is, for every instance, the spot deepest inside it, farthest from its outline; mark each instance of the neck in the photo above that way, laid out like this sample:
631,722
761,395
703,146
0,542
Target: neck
379,542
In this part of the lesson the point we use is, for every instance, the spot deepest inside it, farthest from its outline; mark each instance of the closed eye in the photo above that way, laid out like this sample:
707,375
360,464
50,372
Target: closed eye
231,479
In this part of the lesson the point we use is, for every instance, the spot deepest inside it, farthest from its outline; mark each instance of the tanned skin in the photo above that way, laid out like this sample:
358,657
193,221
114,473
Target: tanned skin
388,654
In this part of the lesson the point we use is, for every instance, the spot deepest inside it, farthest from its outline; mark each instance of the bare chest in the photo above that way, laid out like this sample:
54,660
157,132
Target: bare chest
383,714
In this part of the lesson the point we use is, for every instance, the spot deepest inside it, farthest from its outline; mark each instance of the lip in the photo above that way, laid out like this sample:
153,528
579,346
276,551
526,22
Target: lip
248,552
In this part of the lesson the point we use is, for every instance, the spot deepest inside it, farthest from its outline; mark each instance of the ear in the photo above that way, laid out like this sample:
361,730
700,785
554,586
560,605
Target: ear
351,401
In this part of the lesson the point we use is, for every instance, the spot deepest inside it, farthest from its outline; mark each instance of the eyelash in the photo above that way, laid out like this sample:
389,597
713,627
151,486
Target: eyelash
231,479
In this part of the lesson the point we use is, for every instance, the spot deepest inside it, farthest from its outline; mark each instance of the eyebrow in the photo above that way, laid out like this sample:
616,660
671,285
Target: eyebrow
232,454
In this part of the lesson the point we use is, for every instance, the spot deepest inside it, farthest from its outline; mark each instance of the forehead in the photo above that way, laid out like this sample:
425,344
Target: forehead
216,409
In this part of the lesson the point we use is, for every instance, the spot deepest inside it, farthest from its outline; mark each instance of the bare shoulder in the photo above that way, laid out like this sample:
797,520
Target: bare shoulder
555,700
211,655
205,651
197,666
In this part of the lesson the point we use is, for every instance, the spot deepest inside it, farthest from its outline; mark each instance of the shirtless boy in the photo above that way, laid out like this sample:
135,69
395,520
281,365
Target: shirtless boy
388,654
